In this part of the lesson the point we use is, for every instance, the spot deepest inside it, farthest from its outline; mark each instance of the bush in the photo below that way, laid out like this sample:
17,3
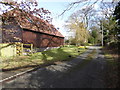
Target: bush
113,45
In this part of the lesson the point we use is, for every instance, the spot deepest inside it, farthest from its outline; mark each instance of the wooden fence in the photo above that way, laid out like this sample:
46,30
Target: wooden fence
16,49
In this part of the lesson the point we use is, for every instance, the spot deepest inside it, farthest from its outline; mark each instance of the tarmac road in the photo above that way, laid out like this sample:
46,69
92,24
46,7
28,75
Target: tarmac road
67,74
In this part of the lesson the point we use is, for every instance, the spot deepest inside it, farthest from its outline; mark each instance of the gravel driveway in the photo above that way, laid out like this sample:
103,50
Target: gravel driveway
67,74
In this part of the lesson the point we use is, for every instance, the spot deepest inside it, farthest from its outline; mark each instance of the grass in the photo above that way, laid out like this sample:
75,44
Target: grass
110,59
60,54
112,69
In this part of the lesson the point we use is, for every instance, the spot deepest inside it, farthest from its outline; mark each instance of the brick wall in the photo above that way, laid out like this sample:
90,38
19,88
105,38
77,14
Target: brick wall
41,40
11,31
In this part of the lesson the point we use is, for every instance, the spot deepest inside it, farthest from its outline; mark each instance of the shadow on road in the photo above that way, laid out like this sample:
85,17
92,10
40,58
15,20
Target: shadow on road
67,74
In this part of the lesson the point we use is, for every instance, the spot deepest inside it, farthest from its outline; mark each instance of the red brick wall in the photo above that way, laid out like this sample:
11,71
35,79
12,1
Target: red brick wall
29,37
11,31
41,40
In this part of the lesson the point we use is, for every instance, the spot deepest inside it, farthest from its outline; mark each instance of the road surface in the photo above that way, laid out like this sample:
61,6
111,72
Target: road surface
67,74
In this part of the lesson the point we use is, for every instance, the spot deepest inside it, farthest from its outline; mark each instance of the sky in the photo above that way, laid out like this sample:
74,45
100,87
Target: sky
56,7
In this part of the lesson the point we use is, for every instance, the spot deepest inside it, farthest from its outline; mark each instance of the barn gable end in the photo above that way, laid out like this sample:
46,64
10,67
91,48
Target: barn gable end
26,32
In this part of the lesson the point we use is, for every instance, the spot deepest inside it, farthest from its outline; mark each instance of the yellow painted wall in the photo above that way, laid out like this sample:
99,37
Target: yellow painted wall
7,51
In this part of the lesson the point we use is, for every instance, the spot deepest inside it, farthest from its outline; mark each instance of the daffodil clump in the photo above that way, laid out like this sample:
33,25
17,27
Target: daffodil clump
81,47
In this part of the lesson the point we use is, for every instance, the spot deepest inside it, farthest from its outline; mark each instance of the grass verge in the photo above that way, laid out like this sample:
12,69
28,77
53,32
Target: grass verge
50,56
112,76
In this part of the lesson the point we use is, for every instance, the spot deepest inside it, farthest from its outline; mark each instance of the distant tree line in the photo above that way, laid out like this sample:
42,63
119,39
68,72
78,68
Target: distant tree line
88,27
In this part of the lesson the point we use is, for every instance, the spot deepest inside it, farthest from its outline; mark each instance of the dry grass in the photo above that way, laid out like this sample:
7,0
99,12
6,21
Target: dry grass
113,63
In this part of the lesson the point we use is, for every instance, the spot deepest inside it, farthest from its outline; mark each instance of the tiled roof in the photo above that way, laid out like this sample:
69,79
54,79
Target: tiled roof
32,22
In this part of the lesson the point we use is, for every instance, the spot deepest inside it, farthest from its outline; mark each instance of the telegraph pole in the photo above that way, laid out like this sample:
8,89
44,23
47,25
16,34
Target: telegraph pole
102,33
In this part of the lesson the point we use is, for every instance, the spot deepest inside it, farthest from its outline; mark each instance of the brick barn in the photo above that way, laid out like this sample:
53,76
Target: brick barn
29,29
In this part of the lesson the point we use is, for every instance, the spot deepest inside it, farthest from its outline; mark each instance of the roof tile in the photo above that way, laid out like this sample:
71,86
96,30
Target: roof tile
31,22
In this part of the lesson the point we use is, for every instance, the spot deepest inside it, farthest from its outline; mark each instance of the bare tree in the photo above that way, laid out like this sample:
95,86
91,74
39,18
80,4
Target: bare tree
30,7
22,11
87,9
75,25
